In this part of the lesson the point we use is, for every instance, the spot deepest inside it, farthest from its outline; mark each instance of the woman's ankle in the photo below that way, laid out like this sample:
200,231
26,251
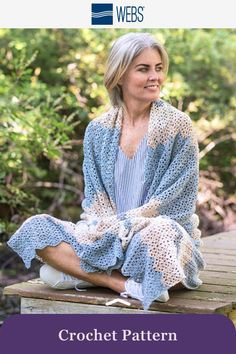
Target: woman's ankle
117,281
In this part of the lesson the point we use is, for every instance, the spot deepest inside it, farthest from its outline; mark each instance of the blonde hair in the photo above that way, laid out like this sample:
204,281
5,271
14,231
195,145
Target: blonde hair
122,53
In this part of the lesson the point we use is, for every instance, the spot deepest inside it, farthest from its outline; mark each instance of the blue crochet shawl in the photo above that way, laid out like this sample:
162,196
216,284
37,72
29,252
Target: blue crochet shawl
158,243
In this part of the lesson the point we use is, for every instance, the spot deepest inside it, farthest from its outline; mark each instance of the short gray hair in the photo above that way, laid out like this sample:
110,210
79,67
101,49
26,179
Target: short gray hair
122,53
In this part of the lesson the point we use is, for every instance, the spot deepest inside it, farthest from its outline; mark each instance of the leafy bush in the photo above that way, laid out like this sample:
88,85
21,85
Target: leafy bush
51,85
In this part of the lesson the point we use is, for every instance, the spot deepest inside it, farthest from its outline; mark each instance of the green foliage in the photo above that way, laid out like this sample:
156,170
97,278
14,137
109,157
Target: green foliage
51,85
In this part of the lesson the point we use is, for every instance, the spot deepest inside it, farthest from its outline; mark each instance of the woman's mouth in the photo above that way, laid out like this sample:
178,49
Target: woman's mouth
151,86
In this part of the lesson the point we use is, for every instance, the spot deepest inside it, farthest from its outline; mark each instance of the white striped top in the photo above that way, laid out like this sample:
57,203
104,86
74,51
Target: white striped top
130,191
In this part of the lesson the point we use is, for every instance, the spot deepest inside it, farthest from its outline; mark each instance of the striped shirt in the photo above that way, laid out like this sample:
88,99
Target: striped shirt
130,191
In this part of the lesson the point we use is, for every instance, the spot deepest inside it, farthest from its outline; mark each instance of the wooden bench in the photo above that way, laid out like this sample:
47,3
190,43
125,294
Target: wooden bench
216,295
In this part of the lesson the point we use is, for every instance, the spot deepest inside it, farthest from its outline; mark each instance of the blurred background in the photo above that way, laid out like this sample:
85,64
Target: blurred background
51,86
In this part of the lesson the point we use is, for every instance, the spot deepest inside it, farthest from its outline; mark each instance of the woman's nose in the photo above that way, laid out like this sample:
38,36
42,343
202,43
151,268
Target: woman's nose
153,76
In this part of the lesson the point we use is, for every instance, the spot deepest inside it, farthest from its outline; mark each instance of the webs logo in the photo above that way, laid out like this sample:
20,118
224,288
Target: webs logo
102,14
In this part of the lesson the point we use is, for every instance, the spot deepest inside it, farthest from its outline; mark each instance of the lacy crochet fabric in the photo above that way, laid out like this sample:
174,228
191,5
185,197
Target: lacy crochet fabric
156,244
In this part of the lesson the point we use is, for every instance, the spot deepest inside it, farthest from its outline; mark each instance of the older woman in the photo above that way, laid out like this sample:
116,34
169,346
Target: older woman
138,235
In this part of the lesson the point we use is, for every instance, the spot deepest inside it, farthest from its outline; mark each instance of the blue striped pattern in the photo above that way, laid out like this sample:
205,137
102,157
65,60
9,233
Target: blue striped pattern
102,14
130,190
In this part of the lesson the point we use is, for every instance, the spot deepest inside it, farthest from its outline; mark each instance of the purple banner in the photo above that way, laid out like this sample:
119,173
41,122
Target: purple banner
117,334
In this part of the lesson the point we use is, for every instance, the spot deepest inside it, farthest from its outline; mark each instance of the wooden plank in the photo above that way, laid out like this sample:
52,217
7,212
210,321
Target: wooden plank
177,305
30,305
218,289
99,296
227,257
226,234
221,268
96,296
224,275
207,279
218,245
220,262
206,250
40,306
206,295
220,242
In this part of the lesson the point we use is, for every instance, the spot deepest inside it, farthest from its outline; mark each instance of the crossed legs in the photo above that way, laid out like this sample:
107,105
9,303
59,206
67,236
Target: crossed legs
63,258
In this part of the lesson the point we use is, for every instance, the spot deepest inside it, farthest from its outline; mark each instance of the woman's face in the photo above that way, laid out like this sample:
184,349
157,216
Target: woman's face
143,79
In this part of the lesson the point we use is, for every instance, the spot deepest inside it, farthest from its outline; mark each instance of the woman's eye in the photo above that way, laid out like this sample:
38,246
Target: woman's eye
143,70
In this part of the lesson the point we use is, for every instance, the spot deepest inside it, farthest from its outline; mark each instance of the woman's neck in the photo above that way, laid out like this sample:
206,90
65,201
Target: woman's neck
136,114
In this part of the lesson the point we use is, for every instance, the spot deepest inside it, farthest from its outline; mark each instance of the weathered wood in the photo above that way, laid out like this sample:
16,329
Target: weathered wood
221,268
41,306
221,241
228,257
207,279
225,275
215,261
30,305
218,289
217,251
99,296
177,305
207,295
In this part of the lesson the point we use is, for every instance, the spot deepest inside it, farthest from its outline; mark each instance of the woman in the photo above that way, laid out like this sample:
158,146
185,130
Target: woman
138,235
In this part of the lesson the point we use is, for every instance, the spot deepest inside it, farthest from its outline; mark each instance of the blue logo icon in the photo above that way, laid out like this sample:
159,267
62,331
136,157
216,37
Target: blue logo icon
102,14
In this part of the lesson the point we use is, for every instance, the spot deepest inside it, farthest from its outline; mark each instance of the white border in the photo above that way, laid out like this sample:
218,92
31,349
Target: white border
158,14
